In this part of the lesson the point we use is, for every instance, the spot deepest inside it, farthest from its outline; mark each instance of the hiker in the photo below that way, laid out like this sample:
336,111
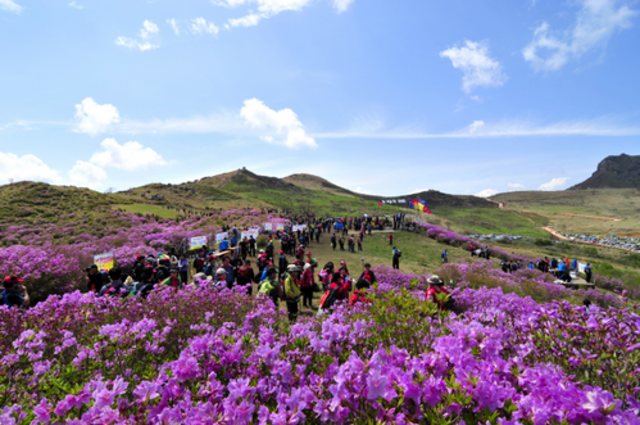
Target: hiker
352,245
220,279
183,267
252,246
246,276
588,273
174,280
306,285
292,291
391,237
230,271
368,275
341,243
269,286
333,241
445,257
14,293
113,288
325,275
396,258
435,291
95,279
360,242
282,262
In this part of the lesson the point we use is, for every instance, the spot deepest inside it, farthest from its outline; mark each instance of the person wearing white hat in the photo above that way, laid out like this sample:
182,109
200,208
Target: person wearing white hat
306,285
221,278
436,290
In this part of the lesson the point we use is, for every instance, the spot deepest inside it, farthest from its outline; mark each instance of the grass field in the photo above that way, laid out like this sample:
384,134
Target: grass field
489,220
156,210
593,211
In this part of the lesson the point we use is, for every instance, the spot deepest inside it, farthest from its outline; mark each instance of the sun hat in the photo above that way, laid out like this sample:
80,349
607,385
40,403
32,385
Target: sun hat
220,271
435,280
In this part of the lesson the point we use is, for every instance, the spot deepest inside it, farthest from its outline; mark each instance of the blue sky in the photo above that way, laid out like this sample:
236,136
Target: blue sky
385,97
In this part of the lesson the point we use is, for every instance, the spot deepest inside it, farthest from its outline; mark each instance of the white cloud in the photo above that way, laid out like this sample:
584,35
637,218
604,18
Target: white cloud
597,127
128,156
553,184
26,167
174,26
75,5
478,68
278,127
200,25
486,193
516,186
87,174
94,118
596,23
10,6
342,6
146,39
264,9
250,20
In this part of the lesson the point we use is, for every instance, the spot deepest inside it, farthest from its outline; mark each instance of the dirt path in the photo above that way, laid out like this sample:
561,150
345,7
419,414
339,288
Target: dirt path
555,233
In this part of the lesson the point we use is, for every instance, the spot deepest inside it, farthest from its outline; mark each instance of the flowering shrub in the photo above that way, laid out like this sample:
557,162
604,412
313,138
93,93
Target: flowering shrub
203,355
50,258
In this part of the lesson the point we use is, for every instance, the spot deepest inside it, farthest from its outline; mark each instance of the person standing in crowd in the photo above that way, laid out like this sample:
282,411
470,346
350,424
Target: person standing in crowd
396,253
230,271
292,291
269,286
252,246
246,275
333,241
306,286
183,266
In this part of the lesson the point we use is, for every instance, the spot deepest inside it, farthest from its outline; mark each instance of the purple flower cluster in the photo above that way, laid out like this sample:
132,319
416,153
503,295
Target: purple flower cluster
204,355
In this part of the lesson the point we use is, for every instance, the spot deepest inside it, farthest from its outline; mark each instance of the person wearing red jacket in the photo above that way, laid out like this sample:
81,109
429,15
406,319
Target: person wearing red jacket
360,295
436,287
306,286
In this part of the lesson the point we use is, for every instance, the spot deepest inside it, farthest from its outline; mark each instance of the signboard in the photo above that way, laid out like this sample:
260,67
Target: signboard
299,227
392,201
268,227
105,262
251,232
197,242
220,236
280,227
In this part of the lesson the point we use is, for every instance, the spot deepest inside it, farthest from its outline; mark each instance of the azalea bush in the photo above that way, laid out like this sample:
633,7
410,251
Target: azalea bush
203,355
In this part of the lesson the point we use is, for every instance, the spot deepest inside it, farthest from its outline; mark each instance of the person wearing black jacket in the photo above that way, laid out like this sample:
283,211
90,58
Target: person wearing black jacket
95,279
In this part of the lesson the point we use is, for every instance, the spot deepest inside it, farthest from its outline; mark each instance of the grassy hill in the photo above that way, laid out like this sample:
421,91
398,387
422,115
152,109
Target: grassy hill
591,211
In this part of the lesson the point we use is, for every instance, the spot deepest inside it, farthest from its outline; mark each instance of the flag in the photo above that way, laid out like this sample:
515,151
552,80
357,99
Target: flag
420,205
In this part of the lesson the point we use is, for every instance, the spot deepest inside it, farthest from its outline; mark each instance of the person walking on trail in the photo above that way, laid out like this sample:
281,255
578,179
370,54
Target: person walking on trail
445,257
588,273
333,241
341,243
306,286
390,239
292,291
269,286
396,258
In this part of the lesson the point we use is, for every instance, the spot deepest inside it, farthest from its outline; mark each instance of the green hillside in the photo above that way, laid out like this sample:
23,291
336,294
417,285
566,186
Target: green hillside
591,211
